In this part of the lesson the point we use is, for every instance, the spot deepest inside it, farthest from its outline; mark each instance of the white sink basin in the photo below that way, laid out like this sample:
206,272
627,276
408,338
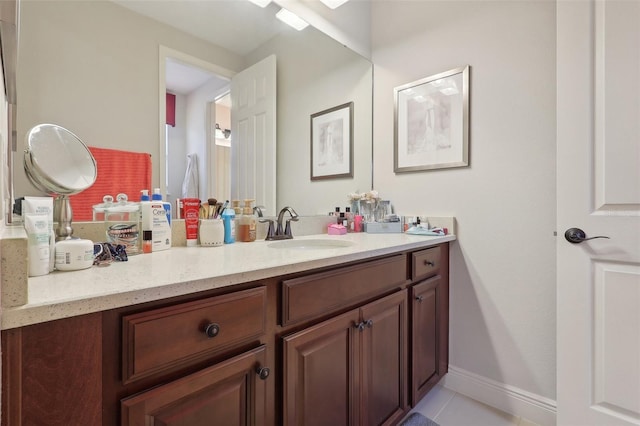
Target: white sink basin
317,244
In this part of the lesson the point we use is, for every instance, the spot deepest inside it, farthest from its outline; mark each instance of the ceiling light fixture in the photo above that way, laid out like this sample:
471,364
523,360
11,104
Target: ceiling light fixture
261,3
332,4
292,19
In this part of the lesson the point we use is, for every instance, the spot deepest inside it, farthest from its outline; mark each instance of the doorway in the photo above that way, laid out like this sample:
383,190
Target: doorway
197,85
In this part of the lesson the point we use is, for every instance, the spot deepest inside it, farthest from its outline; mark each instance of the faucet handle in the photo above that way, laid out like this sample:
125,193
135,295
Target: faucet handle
258,210
287,229
270,231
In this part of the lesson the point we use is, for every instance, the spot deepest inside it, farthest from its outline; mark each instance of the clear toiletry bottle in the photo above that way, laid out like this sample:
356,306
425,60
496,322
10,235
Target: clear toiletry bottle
246,226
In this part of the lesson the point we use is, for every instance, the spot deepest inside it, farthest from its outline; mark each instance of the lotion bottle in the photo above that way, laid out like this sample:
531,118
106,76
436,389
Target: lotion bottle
161,224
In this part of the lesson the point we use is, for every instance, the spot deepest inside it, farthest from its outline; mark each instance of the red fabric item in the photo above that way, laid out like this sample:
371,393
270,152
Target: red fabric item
118,172
171,109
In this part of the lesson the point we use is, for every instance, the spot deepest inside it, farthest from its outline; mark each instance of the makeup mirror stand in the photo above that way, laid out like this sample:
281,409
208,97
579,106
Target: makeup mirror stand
63,216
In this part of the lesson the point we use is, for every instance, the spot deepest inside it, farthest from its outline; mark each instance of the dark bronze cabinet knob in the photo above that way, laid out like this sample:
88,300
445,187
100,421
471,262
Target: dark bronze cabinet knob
263,372
212,330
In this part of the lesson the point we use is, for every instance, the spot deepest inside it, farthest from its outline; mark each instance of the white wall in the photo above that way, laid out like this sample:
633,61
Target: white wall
503,264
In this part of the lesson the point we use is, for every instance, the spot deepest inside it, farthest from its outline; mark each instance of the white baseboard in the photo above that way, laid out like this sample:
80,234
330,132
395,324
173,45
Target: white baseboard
510,399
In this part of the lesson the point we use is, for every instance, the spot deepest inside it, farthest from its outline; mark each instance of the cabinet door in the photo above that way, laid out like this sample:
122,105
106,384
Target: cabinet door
425,337
321,365
384,360
228,393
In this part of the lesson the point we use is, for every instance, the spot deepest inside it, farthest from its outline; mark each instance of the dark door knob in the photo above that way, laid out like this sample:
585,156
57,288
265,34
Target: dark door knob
577,235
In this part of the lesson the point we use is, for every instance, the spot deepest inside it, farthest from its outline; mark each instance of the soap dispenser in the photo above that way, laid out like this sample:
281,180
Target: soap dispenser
247,223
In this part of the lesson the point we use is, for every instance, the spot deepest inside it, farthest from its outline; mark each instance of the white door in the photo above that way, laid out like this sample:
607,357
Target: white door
598,176
253,132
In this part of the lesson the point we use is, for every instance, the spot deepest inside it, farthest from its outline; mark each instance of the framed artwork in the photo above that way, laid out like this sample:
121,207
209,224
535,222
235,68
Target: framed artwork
432,122
332,143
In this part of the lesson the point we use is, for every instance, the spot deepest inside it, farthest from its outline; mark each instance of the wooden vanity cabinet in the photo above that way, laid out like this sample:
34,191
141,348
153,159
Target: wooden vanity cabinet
52,373
429,319
349,370
352,344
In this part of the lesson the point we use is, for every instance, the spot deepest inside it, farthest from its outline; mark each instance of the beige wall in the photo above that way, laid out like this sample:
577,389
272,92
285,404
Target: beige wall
503,265
92,66
116,105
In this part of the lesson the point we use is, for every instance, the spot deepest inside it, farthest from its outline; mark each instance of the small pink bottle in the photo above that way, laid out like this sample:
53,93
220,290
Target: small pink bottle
357,223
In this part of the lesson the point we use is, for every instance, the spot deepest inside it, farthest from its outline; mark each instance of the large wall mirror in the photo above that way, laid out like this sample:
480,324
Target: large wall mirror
99,69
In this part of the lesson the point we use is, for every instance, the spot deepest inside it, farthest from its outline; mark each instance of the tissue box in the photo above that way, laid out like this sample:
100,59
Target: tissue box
335,229
383,227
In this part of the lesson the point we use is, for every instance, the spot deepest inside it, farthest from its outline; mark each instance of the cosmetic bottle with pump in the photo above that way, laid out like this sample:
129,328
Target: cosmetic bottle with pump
246,226
146,221
228,218
161,225
349,216
235,204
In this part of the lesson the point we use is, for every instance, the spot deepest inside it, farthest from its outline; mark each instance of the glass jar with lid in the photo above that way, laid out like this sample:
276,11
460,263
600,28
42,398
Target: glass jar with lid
122,223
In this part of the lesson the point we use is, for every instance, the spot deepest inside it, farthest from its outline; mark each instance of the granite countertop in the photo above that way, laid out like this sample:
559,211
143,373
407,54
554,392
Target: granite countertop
185,270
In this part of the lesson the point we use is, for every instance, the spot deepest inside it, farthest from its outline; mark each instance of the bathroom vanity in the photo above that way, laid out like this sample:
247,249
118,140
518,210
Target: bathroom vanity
242,334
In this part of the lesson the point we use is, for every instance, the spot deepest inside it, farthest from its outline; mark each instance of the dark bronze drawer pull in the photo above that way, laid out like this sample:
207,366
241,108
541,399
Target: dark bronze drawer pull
212,330
419,298
429,263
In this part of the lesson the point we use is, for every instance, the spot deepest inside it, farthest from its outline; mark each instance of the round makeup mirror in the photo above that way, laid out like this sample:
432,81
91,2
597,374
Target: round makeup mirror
57,162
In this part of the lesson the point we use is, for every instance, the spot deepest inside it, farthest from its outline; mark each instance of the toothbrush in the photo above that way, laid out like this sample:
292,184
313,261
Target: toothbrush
224,206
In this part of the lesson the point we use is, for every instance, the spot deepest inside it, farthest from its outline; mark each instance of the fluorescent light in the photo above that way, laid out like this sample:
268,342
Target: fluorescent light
292,19
332,4
261,3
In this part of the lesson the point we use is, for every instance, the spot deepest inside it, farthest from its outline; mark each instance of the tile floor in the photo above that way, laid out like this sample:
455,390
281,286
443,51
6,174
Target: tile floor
449,408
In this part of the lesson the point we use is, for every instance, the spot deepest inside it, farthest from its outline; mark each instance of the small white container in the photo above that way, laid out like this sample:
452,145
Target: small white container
74,254
211,233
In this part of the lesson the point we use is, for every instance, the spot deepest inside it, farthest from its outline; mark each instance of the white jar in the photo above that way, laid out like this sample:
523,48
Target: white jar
211,232
74,254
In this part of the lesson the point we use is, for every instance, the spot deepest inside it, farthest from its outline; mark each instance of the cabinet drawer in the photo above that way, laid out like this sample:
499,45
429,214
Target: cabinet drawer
227,393
425,263
308,297
177,335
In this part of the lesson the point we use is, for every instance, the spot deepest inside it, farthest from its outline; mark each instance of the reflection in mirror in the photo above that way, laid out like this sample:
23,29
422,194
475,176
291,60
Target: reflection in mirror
74,69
